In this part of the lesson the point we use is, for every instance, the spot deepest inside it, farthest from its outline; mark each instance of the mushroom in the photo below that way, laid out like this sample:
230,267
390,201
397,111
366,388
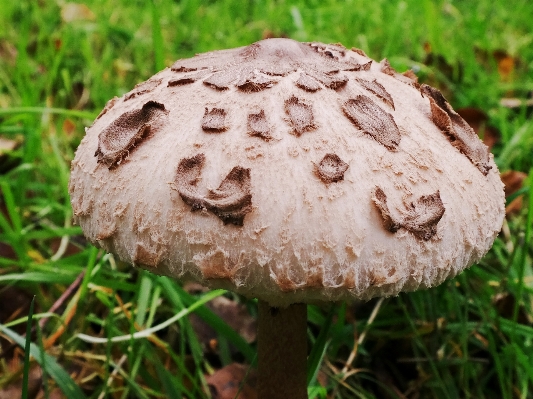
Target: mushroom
293,173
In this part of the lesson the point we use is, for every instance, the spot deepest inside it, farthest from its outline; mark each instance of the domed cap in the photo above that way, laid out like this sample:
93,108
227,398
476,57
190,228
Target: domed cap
291,172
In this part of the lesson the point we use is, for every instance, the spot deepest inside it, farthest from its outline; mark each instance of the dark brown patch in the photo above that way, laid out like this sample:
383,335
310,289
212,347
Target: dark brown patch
180,68
300,114
253,82
331,168
231,201
315,280
423,215
460,134
307,82
366,67
333,81
420,218
380,199
221,80
411,75
376,88
142,88
188,79
214,120
258,126
145,256
386,68
332,51
372,120
126,132
359,51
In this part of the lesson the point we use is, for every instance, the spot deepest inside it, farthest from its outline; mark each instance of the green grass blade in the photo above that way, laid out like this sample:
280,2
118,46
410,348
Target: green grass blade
27,344
319,348
171,290
43,110
157,37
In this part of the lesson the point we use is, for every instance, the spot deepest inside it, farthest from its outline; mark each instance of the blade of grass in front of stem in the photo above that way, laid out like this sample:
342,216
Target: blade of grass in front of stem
319,348
26,371
44,375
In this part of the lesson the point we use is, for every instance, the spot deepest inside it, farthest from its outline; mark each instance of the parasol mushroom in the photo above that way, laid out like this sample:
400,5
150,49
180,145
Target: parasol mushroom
289,172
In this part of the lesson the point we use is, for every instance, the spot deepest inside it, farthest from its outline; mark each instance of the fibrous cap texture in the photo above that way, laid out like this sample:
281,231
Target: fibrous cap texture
291,172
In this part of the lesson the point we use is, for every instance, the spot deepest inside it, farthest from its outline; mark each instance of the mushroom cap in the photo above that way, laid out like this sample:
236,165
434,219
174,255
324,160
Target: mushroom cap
290,172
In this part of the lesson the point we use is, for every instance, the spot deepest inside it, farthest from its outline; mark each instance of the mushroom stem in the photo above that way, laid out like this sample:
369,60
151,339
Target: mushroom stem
282,352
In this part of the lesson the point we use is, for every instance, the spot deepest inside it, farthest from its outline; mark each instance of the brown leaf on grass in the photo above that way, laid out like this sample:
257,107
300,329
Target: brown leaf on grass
8,52
477,119
506,64
226,382
69,127
234,314
71,12
513,181
34,385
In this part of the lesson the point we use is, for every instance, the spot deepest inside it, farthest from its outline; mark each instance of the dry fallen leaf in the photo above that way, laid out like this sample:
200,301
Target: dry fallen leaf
513,181
233,313
506,64
69,127
225,383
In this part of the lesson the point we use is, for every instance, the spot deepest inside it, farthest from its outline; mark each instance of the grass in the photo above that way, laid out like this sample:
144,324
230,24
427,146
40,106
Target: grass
471,337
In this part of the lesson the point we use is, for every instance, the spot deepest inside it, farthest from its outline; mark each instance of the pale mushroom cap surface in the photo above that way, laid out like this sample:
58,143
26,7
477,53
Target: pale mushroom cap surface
291,172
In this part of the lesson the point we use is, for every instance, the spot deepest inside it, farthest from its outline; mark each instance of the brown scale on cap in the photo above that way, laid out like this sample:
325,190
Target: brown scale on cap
331,169
256,67
460,134
372,120
188,79
386,67
119,138
143,88
420,218
332,81
231,201
408,77
214,120
258,125
308,83
221,80
300,115
376,88
253,81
